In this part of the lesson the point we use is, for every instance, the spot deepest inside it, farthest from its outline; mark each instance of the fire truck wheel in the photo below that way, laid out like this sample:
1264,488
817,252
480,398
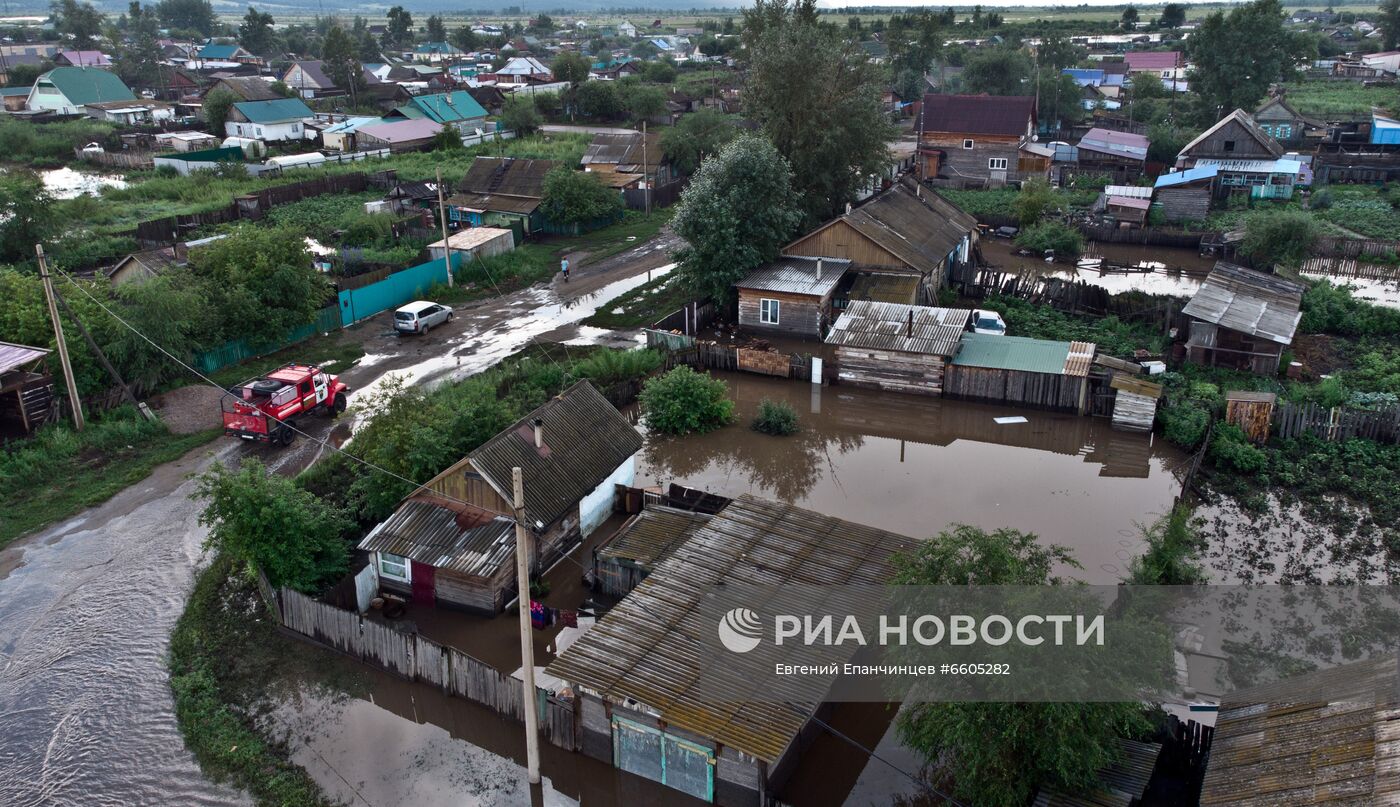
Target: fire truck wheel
338,405
286,436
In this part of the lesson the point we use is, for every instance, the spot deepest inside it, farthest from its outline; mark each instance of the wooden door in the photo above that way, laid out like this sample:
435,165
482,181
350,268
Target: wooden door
424,583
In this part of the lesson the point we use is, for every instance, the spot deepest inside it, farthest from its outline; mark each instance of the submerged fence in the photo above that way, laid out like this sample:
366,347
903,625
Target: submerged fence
1337,422
419,658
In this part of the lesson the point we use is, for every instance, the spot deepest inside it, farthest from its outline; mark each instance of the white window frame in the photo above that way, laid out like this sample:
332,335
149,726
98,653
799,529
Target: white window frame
769,311
997,164
388,560
969,143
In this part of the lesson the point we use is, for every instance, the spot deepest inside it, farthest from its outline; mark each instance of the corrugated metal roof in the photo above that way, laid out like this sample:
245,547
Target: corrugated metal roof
1326,738
495,202
508,176
13,356
1118,144
1152,60
1129,191
1121,782
1184,177
878,288
644,649
623,149
1242,118
1133,202
1024,354
887,326
1001,115
1249,302
585,440
653,535
445,535
402,131
279,110
796,274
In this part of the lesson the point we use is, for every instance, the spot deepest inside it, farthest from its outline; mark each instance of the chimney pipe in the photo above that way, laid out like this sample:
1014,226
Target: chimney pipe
819,268
848,208
910,329
539,429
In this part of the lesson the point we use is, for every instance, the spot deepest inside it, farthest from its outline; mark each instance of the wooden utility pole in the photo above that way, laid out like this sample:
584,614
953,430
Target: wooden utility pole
527,647
58,339
442,219
646,183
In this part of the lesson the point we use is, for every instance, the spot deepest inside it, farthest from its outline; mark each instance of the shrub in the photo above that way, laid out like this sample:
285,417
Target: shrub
1321,200
684,401
776,418
1231,450
1063,240
611,366
1172,542
1279,237
1036,197
1184,423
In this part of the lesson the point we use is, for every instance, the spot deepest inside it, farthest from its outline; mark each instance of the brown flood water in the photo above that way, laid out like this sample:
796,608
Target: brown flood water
914,465
1164,270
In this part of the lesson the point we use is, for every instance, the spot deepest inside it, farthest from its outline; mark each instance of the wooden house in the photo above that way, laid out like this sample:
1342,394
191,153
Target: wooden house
642,673
27,398
572,451
907,229
502,192
138,267
398,135
626,160
646,540
1121,155
792,294
895,347
1038,373
1234,137
309,80
282,119
244,88
978,140
1185,195
1242,319
1278,119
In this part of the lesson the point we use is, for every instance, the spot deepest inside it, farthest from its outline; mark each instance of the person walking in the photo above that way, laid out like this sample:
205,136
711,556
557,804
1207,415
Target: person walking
564,269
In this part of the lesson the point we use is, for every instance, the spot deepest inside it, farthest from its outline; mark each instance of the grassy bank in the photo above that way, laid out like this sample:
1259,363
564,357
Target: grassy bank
60,472
642,306
225,658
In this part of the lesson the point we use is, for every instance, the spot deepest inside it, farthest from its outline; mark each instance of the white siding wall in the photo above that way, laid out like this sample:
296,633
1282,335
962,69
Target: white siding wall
595,508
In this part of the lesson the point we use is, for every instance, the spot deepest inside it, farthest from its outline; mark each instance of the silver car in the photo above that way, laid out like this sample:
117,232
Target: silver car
420,316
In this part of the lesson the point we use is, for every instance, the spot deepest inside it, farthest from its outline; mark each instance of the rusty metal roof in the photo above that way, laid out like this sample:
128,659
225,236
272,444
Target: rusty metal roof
585,440
1080,356
910,222
445,535
645,648
795,274
652,535
1247,301
905,328
508,176
1326,738
496,203
14,356
623,149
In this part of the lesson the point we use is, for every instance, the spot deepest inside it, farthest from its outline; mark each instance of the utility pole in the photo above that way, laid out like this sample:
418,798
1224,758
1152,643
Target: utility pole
442,219
646,183
97,351
58,339
527,647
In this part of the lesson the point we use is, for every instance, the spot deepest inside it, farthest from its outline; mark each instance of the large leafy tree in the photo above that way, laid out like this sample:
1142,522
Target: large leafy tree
216,108
262,281
578,197
997,71
340,56
818,99
997,754
1173,15
187,15
255,32
266,519
1389,23
138,60
400,29
520,115
26,215
696,136
436,30
570,66
82,21
1236,56
737,212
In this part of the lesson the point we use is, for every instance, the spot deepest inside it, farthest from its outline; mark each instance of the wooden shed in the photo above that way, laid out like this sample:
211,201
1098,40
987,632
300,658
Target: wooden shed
26,389
474,243
792,294
1185,195
1135,403
1252,411
896,347
1018,370
1242,319
646,540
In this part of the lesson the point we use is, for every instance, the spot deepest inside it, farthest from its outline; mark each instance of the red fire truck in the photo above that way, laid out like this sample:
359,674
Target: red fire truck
267,408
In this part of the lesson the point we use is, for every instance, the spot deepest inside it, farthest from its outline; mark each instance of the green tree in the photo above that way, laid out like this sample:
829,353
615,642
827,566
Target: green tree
1129,19
696,136
916,50
819,100
997,754
79,20
1279,237
1147,86
138,57
436,30
997,71
1034,200
464,39
598,99
542,23
1173,15
448,139
24,75
662,71
188,15
261,281
570,66
216,108
1172,542
643,101
255,33
26,216
264,519
1389,23
578,197
685,402
737,212
1060,98
1237,56
340,58
520,115
1057,53
399,31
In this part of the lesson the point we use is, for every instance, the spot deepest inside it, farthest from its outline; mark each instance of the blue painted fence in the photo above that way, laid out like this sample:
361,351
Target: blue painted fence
394,290
327,320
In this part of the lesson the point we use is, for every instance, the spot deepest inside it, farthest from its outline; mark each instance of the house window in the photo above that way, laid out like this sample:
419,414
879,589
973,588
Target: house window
1283,131
1166,74
1229,145
967,144
394,567
996,163
768,311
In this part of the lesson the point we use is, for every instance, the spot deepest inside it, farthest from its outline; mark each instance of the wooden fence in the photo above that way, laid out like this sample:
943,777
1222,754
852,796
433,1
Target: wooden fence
688,319
1337,422
658,197
1332,247
419,658
1351,267
125,160
1110,233
1070,296
710,356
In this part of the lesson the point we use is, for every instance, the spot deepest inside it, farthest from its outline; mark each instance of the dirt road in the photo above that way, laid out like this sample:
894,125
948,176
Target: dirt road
86,606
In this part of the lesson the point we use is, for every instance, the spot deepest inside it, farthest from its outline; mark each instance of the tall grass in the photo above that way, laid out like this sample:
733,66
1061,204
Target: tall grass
48,143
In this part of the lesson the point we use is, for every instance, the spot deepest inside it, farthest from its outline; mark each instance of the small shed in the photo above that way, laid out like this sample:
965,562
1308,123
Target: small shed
645,541
1252,411
1242,319
792,294
26,389
1135,404
1122,154
1185,195
1130,210
476,242
896,347
1018,370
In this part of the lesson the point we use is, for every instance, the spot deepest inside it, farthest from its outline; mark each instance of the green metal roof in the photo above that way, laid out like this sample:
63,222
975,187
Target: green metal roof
88,85
216,51
282,109
448,107
1012,353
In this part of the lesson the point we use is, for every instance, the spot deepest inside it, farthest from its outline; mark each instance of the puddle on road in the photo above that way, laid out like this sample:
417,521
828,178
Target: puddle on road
915,465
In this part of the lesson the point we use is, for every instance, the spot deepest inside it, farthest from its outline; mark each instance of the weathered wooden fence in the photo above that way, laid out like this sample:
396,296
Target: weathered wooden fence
658,197
1070,296
1334,247
419,658
710,356
1337,422
1351,267
1154,236
125,160
688,319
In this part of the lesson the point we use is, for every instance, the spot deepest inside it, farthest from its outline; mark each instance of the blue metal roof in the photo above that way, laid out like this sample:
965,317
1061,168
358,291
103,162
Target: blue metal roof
1091,78
1183,177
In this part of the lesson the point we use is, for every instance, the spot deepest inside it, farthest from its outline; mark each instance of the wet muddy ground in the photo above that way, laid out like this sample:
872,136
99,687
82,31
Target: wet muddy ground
914,465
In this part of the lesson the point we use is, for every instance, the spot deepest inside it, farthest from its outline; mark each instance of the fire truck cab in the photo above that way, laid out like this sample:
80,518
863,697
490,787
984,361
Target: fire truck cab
267,408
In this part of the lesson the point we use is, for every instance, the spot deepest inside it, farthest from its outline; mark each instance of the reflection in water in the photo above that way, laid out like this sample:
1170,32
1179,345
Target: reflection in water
915,465
1154,270
67,183
1380,292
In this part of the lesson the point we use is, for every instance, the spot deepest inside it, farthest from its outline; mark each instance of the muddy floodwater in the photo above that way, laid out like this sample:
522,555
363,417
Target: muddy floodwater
914,465
1116,267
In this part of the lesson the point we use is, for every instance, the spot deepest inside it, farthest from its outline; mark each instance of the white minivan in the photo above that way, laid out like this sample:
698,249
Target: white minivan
420,316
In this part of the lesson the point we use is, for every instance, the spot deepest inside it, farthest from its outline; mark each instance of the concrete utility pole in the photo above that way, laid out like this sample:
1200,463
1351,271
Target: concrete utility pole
527,647
58,339
442,219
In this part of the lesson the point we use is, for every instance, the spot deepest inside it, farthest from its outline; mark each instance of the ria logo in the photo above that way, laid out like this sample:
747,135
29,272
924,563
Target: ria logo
740,630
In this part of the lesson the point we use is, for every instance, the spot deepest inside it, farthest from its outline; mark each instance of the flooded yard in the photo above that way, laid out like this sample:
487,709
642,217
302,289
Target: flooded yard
69,183
915,465
1115,267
